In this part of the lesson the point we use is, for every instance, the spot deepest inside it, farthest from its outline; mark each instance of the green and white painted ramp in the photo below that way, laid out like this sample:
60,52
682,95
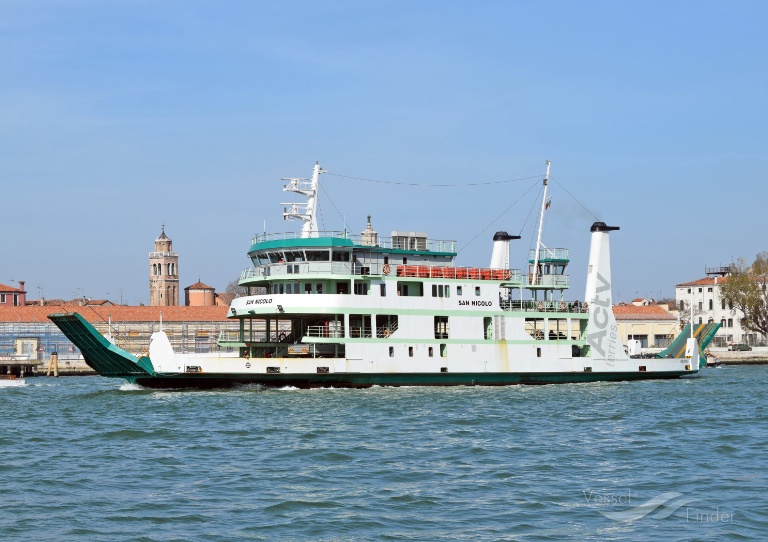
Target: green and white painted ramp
101,355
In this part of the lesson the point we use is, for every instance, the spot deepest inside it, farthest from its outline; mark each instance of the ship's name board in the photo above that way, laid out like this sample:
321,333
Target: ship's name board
259,301
475,303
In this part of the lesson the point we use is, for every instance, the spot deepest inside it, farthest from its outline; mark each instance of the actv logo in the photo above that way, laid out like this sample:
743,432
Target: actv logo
599,319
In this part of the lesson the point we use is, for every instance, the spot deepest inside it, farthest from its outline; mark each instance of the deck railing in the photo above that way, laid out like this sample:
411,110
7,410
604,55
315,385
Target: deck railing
544,306
430,245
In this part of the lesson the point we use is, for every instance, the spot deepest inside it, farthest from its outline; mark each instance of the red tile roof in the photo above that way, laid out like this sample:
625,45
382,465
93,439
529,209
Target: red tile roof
642,312
118,313
706,281
10,289
199,286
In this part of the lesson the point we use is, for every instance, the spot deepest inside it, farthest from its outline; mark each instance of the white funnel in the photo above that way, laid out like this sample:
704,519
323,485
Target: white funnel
603,336
500,254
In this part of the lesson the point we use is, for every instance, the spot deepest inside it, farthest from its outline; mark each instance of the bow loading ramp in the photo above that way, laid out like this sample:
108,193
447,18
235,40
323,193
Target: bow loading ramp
703,332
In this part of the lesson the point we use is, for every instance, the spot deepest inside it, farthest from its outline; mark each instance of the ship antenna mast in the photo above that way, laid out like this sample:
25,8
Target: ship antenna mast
541,226
304,211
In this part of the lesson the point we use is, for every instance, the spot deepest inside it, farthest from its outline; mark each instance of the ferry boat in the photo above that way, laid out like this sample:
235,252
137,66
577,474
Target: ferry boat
332,309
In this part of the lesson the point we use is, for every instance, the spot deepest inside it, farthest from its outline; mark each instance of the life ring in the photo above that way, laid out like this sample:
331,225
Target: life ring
563,306
386,269
540,306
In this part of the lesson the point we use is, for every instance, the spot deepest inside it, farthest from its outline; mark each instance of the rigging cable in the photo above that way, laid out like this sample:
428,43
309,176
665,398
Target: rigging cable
434,185
574,199
500,215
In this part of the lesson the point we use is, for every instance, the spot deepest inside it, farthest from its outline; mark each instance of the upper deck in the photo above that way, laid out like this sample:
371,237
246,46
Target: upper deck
330,239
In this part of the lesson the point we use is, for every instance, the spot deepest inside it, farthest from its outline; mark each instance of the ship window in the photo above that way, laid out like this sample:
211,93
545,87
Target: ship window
391,351
535,328
538,352
386,260
558,329
477,290
318,256
443,350
410,351
319,288
386,324
430,352
340,256
488,328
342,288
439,290
405,261
294,256
361,288
281,288
359,325
308,288
458,290
383,290
441,327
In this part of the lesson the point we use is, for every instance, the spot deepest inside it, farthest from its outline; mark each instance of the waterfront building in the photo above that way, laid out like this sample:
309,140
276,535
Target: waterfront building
199,295
190,329
13,297
704,297
650,323
163,273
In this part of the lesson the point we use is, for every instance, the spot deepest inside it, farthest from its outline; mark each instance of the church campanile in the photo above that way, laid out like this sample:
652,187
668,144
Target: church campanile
163,273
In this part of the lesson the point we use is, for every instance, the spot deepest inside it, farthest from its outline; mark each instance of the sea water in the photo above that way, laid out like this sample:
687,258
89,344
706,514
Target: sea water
90,458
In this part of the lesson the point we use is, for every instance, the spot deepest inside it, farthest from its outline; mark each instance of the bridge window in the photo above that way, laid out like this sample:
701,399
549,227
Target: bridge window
318,256
477,290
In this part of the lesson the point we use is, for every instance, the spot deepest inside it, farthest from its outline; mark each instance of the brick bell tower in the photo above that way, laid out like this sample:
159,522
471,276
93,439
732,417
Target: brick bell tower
163,273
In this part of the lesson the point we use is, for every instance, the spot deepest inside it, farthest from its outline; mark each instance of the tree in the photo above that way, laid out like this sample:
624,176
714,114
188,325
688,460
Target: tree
235,289
746,291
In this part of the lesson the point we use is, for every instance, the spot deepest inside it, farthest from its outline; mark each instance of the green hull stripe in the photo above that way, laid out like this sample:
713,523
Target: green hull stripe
364,380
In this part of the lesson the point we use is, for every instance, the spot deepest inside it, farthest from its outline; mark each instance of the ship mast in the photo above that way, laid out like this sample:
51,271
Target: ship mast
541,226
308,210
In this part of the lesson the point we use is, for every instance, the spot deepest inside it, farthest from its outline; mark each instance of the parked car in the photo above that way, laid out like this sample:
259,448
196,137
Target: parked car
741,347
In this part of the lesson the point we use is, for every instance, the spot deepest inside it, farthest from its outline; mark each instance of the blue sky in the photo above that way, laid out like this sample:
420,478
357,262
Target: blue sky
119,116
